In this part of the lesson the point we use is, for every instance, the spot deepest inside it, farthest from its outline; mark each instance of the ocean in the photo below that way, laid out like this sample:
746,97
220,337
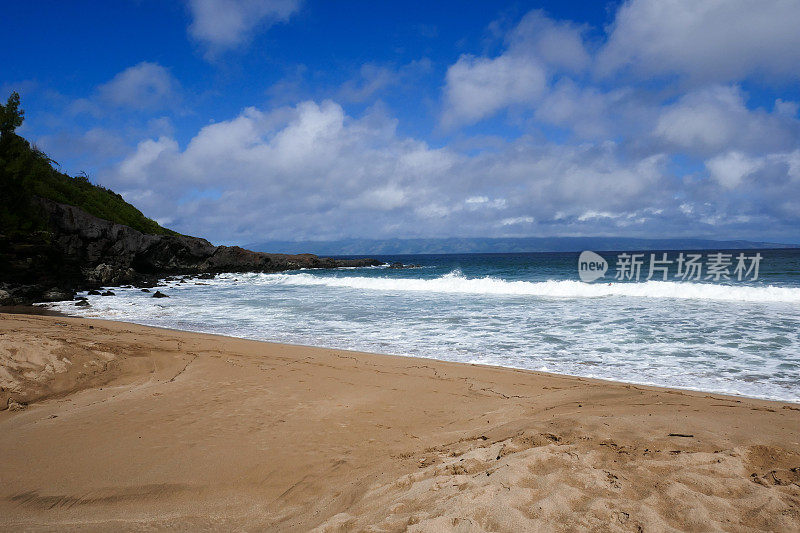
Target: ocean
521,310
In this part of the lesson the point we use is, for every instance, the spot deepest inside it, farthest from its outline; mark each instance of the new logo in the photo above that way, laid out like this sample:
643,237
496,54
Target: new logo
591,266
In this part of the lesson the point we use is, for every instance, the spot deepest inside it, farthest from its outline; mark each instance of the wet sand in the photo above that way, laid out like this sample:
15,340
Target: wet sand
116,426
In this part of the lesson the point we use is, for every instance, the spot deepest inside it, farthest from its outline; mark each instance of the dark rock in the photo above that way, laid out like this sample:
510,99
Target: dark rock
22,294
80,251
145,290
5,298
108,293
82,303
95,242
159,294
93,293
57,295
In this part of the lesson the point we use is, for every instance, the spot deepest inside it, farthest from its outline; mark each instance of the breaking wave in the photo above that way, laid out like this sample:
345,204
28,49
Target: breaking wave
456,283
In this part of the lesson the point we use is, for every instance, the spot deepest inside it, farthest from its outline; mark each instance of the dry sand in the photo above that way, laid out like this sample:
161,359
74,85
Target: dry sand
130,427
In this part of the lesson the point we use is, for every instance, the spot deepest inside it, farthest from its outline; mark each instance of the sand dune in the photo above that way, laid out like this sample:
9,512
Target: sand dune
129,427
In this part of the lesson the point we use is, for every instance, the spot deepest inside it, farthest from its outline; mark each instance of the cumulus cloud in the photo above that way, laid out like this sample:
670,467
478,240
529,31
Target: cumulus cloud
226,24
717,118
731,168
705,40
97,130
749,192
478,87
588,155
558,44
591,113
312,171
734,169
545,63
714,161
143,86
292,165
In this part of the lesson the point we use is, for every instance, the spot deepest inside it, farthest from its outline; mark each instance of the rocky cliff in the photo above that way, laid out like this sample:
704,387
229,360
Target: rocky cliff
82,251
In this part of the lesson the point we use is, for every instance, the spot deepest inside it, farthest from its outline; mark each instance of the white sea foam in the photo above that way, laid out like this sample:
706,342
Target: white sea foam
457,283
735,339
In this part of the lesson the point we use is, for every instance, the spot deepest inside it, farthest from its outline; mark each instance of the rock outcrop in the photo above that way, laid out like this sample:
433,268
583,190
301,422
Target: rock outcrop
83,251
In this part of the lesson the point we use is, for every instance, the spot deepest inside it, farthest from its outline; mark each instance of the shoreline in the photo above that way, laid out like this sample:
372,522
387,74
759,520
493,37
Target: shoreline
148,427
46,311
22,310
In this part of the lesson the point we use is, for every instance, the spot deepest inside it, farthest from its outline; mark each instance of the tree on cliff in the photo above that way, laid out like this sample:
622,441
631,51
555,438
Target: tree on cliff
11,116
26,173
18,163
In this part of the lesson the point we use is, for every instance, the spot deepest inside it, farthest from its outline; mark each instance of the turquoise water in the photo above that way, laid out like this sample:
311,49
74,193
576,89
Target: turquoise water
518,310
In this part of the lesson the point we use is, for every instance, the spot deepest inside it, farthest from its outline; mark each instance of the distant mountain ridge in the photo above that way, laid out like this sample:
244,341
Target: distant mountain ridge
503,245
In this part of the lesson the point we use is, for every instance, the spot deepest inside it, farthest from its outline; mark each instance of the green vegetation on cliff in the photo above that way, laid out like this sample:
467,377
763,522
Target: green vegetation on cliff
26,172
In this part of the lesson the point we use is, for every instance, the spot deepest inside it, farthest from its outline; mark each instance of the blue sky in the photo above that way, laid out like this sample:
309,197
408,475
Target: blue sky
246,120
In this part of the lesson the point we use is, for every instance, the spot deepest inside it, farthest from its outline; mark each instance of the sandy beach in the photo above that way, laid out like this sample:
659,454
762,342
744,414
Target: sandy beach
115,426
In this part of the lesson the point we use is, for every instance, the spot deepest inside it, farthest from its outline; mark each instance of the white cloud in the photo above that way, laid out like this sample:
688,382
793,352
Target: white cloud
477,200
143,86
515,221
541,75
731,168
748,192
483,202
779,170
133,169
558,44
479,87
629,158
705,40
589,112
786,108
281,168
226,24
593,215
386,197
312,171
717,118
